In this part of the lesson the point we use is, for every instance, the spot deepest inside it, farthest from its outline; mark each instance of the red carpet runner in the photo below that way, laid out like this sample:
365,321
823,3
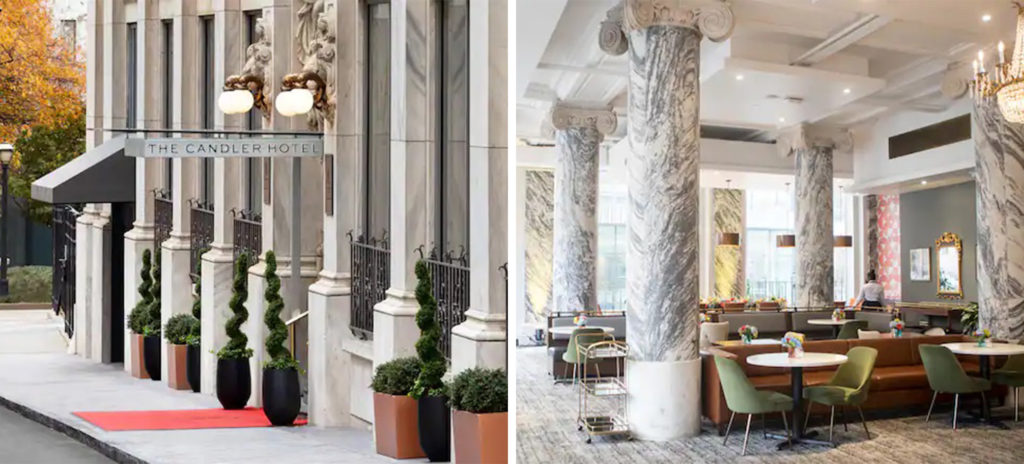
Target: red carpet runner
113,421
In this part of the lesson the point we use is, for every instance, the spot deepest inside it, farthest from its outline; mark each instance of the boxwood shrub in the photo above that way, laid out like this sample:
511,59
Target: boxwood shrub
396,377
479,391
179,327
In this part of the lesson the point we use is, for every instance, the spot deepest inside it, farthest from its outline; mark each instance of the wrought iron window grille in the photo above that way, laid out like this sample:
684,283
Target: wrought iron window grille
247,233
371,277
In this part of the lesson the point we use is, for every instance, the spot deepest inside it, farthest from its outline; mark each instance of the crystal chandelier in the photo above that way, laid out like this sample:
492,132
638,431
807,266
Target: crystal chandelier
1006,83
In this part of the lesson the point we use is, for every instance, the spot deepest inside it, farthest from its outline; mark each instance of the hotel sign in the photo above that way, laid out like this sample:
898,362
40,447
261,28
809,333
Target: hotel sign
285,147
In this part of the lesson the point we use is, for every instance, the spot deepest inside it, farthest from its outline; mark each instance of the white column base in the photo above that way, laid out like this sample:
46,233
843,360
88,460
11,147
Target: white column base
175,288
137,240
215,293
256,330
330,365
479,342
394,327
664,399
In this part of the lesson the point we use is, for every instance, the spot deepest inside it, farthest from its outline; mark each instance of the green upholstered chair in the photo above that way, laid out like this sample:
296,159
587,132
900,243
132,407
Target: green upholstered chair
847,387
1012,375
946,375
580,339
743,398
849,330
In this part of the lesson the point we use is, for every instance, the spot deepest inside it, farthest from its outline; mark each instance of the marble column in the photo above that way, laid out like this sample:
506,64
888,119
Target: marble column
729,213
217,264
813,149
480,341
579,131
663,368
871,232
999,147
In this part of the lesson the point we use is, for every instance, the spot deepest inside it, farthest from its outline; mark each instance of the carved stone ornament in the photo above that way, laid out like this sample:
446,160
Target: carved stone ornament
612,39
956,81
806,136
257,63
564,116
320,62
714,20
306,30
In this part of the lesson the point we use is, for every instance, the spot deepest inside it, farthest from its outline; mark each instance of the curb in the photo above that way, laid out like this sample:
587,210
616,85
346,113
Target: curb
118,455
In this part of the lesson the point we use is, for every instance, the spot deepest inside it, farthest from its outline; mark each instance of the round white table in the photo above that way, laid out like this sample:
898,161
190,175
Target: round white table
796,367
835,324
568,329
983,353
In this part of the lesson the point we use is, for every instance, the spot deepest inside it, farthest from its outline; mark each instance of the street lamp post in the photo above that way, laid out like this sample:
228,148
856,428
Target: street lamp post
6,153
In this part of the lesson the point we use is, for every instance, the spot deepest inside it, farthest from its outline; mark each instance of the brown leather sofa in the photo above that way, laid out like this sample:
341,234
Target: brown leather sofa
898,381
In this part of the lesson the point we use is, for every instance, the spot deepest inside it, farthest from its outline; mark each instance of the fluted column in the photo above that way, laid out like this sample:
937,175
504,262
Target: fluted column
578,134
663,368
999,147
813,149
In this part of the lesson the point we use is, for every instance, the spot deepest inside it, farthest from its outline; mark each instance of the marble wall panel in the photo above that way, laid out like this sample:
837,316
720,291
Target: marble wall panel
729,210
540,220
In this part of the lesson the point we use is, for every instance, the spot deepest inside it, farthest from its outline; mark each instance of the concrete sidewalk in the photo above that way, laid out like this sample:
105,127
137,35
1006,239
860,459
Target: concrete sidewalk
48,387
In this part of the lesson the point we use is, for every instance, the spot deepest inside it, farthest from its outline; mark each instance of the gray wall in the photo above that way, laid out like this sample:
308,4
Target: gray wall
924,216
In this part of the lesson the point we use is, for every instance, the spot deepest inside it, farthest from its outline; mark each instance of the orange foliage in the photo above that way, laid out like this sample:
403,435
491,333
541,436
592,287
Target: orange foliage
42,78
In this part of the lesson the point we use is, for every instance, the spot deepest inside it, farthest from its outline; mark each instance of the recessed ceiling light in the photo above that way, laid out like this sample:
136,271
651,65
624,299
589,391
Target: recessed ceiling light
986,17
847,90
739,77
924,182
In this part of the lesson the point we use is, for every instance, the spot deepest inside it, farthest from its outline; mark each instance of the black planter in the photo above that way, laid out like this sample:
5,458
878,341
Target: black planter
434,426
281,395
151,356
192,367
234,382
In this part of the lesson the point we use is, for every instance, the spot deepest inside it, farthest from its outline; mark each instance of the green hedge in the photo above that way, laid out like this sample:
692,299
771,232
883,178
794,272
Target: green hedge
29,284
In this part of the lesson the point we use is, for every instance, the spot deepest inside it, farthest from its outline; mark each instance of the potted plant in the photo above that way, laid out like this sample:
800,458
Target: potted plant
151,330
281,395
748,333
176,332
394,411
137,319
193,366
432,411
233,376
479,398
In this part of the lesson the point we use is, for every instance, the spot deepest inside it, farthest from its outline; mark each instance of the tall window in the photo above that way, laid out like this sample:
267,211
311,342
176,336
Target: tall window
842,224
167,27
771,271
253,121
612,210
206,95
378,119
453,155
131,46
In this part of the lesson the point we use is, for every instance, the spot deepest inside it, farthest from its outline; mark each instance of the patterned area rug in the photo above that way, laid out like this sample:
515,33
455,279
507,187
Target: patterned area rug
546,433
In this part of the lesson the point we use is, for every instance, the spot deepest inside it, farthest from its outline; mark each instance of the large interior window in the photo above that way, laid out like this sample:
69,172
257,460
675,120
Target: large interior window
208,106
167,27
770,270
378,120
253,121
612,241
453,155
842,224
131,65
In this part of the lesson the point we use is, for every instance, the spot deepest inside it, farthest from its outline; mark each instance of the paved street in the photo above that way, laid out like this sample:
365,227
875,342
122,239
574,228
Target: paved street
23,441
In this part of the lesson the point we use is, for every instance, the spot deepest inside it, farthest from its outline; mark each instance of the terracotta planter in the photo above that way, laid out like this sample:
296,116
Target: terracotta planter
395,426
177,372
138,366
481,438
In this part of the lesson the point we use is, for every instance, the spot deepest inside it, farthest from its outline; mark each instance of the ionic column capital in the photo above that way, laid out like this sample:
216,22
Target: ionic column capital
806,136
714,21
568,116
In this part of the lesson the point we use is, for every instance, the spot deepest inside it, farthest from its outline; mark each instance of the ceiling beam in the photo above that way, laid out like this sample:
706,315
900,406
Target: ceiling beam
845,37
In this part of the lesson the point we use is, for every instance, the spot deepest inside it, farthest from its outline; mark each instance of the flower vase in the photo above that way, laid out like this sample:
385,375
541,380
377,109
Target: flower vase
746,339
983,342
898,333
792,352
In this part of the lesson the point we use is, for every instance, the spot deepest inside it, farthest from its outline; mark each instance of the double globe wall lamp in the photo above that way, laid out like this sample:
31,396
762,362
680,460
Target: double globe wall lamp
241,93
300,92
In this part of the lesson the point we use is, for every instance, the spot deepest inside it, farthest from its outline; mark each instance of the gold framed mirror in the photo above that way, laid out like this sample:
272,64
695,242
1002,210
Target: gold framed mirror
949,257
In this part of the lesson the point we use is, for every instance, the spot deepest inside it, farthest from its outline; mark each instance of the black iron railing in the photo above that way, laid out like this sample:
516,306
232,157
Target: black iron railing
449,272
201,222
247,234
63,283
371,277
163,217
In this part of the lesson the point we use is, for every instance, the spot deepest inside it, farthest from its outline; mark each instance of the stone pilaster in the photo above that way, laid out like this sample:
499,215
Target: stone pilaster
999,146
729,216
813,149
663,368
579,131
412,143
480,341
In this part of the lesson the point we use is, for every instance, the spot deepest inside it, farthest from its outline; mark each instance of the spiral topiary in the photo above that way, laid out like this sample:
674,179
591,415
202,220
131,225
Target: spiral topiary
197,304
152,328
280,357
432,363
137,319
236,346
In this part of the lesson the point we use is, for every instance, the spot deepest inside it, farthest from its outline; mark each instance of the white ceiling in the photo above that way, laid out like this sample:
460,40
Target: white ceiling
797,59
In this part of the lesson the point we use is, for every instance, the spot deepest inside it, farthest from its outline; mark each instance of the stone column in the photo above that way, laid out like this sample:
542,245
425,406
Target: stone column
412,144
175,297
729,215
335,363
813,149
999,146
663,367
871,232
578,134
480,341
217,266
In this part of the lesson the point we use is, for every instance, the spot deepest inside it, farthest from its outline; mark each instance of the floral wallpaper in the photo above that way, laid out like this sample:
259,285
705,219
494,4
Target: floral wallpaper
889,245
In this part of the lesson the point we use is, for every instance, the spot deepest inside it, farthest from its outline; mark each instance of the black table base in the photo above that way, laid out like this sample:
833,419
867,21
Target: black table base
798,435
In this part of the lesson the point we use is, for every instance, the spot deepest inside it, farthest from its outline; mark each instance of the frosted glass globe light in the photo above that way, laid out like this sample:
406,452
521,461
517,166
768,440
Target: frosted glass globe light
243,101
302,101
225,103
283,103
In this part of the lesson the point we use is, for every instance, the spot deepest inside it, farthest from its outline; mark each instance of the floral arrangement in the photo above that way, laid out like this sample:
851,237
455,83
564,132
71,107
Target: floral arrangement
982,335
580,320
748,333
794,342
704,317
897,327
710,303
837,314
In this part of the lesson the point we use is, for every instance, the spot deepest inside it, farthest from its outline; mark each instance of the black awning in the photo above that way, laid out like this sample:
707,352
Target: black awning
104,174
